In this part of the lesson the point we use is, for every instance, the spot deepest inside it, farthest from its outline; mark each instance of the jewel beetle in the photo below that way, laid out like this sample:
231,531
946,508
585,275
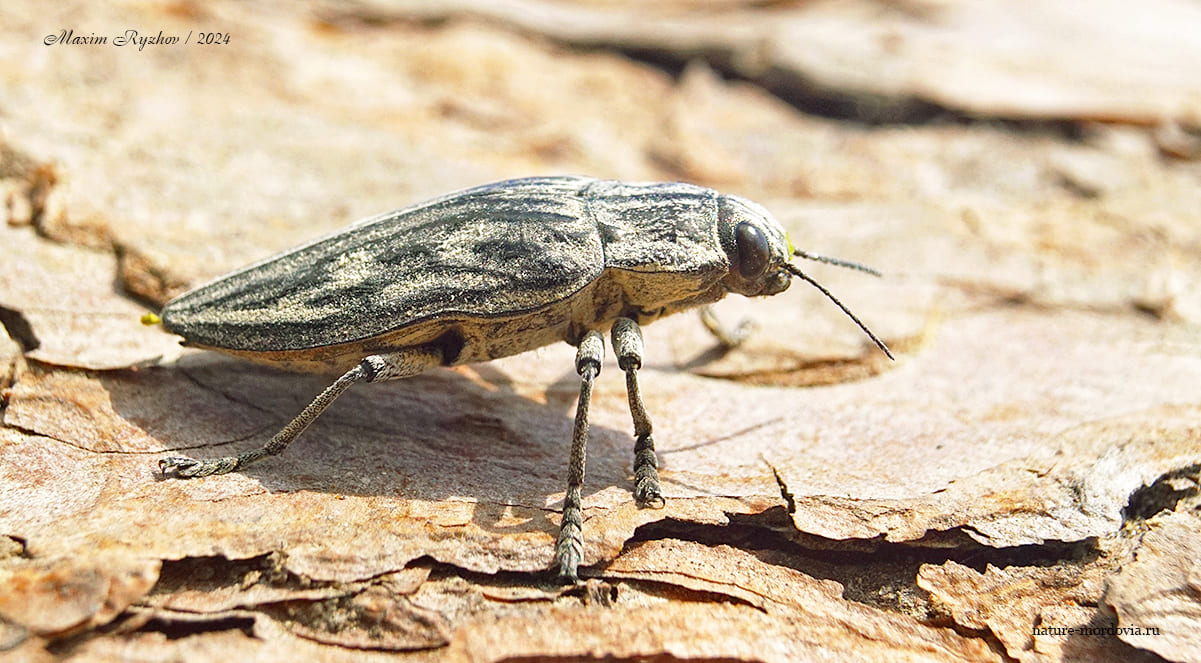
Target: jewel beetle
486,273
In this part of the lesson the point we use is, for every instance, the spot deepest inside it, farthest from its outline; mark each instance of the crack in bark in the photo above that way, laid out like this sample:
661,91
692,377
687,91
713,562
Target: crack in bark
1163,494
174,627
872,572
789,500
18,328
220,571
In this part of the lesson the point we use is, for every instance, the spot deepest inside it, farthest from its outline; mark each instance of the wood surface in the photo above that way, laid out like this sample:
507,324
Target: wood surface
1027,177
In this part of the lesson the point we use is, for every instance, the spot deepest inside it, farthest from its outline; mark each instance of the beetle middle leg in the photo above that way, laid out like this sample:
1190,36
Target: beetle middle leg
569,549
374,368
627,345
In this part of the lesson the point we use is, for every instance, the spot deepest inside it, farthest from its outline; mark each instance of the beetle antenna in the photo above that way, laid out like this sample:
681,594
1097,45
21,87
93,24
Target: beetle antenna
796,271
835,261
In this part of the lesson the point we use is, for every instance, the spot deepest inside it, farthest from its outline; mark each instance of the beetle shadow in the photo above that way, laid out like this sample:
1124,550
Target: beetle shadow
433,437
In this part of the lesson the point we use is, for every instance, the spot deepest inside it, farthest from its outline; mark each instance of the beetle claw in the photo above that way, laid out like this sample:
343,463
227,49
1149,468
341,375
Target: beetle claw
177,467
569,553
647,494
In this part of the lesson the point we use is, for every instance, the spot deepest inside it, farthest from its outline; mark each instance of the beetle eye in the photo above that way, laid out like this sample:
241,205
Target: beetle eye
753,252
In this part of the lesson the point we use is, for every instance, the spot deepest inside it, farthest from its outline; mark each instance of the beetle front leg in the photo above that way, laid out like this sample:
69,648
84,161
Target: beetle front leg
569,550
627,345
375,368
729,337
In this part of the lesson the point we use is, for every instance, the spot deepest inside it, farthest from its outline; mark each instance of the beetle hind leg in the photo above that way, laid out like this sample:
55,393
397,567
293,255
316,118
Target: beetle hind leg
375,368
627,345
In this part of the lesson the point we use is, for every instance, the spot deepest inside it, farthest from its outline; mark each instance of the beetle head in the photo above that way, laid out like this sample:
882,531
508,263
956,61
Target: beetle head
761,253
757,246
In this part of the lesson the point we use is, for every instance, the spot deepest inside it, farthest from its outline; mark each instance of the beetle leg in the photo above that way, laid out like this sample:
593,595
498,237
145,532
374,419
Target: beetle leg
375,368
569,550
627,345
729,338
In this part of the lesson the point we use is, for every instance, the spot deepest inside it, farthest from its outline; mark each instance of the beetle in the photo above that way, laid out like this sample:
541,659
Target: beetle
486,273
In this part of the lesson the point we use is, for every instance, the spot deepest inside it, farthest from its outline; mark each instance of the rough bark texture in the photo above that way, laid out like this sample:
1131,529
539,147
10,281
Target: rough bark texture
1020,485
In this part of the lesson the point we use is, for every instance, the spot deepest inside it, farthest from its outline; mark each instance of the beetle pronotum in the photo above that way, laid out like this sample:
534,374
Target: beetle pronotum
491,272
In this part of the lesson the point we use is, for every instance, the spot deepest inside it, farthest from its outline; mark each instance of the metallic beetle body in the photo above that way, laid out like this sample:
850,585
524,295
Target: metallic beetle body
485,273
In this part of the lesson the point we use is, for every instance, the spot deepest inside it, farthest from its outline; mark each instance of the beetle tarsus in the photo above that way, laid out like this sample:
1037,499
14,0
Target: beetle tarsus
189,468
569,549
647,491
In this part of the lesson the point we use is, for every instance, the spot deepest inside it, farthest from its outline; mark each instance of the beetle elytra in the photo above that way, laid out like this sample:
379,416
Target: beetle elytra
486,273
